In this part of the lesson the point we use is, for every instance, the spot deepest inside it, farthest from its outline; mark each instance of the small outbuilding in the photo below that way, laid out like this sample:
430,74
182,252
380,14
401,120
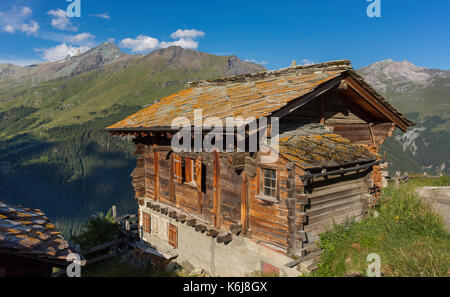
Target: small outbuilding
29,244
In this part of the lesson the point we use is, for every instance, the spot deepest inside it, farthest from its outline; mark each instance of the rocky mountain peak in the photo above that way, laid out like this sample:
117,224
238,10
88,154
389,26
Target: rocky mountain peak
399,77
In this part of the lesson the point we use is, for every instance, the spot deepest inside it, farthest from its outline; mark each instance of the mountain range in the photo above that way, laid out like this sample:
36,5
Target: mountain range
54,151
56,156
423,94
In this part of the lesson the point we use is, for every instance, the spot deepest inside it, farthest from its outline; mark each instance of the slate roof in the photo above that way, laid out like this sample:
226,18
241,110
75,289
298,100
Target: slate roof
323,151
29,232
247,95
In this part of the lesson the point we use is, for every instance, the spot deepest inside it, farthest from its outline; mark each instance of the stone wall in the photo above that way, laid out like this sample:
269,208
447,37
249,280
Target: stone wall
240,257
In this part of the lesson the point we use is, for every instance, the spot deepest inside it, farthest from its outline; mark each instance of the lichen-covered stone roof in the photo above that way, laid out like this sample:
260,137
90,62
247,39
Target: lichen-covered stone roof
247,95
29,232
322,151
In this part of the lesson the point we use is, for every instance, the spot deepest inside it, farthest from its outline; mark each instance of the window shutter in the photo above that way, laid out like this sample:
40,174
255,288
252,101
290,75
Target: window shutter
198,173
173,235
177,170
188,169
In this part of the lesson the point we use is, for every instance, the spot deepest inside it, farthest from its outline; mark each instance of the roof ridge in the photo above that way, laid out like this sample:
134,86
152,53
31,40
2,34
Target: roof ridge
336,65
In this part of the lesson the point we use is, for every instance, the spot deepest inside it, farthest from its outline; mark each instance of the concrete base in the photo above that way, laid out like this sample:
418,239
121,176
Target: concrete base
240,257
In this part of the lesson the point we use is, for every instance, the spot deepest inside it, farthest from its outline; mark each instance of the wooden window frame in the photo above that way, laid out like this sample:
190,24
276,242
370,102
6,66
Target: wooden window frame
185,170
146,222
262,195
173,235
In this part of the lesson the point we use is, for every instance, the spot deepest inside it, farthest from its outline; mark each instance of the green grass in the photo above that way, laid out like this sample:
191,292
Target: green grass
409,237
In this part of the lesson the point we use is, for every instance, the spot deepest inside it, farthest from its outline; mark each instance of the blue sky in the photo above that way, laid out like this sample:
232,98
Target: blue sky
269,32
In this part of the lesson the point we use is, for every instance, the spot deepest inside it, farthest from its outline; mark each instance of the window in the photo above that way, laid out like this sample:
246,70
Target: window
155,224
163,226
173,235
146,223
184,170
270,183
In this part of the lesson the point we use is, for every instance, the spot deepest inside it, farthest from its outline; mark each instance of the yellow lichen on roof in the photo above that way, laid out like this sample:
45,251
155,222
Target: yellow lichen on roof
322,151
253,95
28,231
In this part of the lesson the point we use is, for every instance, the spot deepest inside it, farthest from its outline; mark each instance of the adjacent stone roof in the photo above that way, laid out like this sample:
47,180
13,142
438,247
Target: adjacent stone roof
323,151
29,232
247,95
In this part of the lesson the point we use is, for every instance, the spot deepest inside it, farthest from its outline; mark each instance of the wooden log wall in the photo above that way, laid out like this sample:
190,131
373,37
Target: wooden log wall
333,200
268,221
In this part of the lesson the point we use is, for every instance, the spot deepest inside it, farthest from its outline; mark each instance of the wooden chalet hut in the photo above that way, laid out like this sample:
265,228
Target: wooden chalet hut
231,214
29,244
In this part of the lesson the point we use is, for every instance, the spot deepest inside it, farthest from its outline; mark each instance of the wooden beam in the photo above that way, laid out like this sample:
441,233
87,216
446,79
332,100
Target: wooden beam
191,222
171,179
216,189
224,238
244,203
181,218
198,181
321,110
236,229
373,101
156,171
301,101
291,203
212,232
200,228
372,137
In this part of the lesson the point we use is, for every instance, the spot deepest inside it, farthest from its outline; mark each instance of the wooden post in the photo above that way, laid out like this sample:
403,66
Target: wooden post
171,179
216,185
114,212
321,110
291,206
244,203
156,170
198,181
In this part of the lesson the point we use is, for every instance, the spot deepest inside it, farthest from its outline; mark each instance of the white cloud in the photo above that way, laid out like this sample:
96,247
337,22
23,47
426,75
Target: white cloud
61,21
9,29
80,38
60,52
146,44
183,42
17,19
32,28
26,11
190,34
141,44
306,62
257,62
102,15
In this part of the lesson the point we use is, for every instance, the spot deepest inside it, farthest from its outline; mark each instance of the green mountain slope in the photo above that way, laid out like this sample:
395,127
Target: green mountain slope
54,152
424,95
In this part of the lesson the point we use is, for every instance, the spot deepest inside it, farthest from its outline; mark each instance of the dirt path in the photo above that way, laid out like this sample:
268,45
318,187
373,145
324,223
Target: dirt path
439,197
